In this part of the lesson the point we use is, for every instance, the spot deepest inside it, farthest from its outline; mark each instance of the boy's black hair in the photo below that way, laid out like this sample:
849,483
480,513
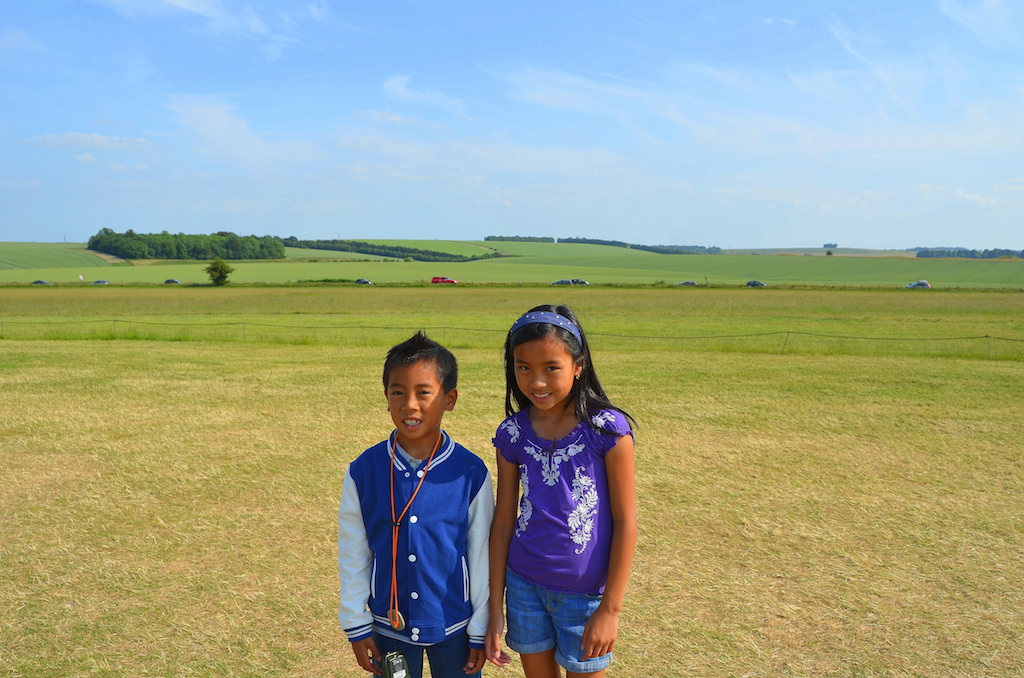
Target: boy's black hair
587,394
420,347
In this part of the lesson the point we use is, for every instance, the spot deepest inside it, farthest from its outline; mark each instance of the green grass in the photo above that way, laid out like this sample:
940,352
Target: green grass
169,509
821,322
541,263
34,255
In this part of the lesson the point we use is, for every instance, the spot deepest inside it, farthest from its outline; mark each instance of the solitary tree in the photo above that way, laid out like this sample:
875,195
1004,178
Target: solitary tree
218,271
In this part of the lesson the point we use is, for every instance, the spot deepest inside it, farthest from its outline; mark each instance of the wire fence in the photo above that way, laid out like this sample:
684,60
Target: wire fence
791,342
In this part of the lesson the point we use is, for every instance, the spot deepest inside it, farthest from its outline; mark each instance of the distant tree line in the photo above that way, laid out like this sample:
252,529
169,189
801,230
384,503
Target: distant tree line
518,238
660,249
222,245
384,250
963,253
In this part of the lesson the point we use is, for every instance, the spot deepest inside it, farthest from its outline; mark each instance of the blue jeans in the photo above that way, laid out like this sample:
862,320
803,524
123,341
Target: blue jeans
446,658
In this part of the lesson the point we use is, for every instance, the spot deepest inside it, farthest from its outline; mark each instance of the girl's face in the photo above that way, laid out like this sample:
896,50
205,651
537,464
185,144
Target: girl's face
545,372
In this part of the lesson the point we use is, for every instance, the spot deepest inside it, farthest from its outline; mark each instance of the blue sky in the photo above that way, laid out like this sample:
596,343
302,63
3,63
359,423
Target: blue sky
735,124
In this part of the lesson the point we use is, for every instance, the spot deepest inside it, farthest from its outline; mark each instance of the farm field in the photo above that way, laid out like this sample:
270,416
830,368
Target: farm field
169,506
541,263
967,324
33,255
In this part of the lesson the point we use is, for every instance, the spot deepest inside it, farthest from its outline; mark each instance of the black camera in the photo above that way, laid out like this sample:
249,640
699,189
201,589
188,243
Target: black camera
394,665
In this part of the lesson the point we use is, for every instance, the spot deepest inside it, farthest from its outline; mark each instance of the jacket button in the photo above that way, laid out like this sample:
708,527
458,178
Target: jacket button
414,595
412,557
413,519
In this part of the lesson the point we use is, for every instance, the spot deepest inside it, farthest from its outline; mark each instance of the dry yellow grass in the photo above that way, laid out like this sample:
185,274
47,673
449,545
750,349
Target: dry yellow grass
168,509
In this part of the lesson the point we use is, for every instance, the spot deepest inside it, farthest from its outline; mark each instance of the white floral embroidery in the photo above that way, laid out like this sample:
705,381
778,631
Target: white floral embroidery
550,461
525,505
602,418
512,426
581,520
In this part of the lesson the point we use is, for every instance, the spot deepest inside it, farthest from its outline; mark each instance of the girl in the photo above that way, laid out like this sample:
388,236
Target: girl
563,562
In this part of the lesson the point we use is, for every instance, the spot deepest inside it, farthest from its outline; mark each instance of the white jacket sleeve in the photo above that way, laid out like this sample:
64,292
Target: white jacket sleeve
481,512
354,565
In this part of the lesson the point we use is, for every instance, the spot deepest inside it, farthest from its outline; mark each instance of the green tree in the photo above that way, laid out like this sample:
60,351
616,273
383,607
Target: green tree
218,270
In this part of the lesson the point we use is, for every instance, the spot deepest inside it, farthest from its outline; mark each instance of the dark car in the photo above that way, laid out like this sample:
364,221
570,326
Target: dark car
755,283
172,281
687,283
563,281
919,285
579,281
441,280
363,281
100,282
41,282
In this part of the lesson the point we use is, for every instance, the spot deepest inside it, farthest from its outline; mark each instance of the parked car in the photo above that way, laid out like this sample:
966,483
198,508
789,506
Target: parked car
172,281
755,283
687,283
100,282
363,281
919,285
563,281
579,281
41,282
441,280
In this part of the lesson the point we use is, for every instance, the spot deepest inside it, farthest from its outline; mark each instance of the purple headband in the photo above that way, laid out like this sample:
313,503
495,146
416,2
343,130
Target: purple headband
550,318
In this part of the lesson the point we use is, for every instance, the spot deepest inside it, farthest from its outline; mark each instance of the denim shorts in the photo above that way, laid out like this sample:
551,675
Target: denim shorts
539,619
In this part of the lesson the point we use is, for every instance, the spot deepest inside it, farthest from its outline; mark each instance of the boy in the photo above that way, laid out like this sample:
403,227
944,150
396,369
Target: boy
413,528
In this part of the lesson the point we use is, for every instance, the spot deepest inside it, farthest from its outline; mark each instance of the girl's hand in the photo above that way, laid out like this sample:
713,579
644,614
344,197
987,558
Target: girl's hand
599,633
492,641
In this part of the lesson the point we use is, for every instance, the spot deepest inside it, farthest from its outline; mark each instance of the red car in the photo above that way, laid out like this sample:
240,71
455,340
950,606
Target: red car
441,280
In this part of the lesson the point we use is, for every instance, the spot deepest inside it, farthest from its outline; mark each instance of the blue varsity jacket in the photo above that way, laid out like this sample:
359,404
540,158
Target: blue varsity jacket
442,545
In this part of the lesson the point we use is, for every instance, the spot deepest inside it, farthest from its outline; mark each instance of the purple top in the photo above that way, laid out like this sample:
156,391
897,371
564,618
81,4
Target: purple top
564,533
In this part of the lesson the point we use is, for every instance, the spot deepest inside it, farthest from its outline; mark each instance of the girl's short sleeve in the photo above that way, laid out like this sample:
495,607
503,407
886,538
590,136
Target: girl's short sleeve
615,425
506,437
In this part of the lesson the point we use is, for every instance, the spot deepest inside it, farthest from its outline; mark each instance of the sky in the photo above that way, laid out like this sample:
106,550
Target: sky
731,124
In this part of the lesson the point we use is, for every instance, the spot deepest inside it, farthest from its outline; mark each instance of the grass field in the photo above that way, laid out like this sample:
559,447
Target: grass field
819,322
168,508
535,263
34,255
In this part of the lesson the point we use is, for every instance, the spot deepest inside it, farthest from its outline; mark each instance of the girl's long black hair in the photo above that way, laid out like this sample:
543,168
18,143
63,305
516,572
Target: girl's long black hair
587,394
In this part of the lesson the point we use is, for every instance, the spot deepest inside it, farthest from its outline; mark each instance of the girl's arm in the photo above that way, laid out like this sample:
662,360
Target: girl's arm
602,627
501,536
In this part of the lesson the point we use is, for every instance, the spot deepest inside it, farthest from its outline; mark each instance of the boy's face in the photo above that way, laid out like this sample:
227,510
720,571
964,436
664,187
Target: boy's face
417,402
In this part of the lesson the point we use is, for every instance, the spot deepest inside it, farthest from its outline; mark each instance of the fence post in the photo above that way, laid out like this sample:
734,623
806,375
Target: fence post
784,344
989,337
113,326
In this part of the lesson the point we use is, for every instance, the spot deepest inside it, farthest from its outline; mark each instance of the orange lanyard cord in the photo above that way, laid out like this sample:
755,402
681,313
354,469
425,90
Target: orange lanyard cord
396,523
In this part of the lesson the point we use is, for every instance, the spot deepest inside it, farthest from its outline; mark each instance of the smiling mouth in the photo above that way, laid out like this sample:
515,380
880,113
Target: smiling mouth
411,423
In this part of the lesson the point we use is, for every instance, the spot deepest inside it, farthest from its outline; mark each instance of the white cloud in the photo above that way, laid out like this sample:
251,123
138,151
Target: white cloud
74,140
379,117
225,136
397,88
1012,186
16,40
989,20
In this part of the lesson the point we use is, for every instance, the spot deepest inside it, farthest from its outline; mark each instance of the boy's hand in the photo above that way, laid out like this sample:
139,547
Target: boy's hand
476,660
368,655
492,641
599,633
